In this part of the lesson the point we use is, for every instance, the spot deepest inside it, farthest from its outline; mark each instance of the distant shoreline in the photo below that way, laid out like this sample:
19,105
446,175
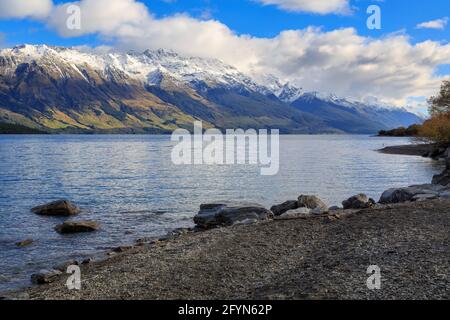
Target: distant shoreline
410,149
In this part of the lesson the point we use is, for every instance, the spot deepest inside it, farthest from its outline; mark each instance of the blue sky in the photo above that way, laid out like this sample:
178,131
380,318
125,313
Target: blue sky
331,51
250,17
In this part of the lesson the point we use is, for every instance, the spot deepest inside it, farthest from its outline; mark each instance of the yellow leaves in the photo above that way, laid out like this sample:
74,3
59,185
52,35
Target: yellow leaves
437,129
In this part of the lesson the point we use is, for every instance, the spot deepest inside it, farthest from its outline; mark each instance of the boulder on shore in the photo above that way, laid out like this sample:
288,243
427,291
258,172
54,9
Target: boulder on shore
360,201
63,266
212,215
45,276
77,226
396,195
312,202
412,193
278,210
57,208
300,213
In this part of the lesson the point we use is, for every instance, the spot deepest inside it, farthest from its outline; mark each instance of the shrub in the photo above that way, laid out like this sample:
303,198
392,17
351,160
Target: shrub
411,131
437,129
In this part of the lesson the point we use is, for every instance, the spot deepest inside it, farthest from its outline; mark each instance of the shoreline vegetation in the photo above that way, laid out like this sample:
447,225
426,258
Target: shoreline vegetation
300,249
9,128
411,131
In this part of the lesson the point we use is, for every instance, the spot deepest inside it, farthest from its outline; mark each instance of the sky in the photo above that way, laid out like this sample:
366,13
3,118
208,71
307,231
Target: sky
319,45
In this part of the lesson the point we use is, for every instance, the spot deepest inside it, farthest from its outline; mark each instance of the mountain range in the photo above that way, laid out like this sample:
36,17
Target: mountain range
57,89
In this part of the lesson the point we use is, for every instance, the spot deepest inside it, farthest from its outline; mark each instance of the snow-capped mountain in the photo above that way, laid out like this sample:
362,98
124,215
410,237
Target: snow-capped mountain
138,66
154,91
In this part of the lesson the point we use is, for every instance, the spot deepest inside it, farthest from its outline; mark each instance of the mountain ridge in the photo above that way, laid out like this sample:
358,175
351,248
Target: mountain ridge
62,89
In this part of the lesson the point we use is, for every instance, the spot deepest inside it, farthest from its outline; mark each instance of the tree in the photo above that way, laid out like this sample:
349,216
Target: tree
437,129
440,104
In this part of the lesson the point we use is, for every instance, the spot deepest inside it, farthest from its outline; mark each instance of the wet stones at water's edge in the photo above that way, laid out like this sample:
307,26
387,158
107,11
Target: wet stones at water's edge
227,213
360,201
24,243
77,226
61,208
438,188
45,276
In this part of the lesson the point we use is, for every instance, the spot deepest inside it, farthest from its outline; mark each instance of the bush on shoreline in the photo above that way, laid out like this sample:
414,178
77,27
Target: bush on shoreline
411,131
437,128
10,128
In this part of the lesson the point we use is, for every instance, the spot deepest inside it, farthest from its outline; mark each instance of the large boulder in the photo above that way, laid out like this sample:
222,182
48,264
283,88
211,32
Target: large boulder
396,195
360,201
57,208
412,193
228,213
278,210
77,226
312,202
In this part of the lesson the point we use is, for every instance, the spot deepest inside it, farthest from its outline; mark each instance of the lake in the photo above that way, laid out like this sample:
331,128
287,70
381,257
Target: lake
129,184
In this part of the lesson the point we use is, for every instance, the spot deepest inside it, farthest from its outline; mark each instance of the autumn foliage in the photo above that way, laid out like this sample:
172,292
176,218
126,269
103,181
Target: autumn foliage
437,128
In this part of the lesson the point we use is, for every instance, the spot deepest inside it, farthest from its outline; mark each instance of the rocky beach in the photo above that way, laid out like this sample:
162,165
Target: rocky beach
299,249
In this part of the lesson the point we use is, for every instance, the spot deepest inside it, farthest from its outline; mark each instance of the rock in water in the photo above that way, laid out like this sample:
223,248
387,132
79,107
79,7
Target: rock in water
24,243
77,226
45,276
227,213
312,202
57,208
284,207
360,201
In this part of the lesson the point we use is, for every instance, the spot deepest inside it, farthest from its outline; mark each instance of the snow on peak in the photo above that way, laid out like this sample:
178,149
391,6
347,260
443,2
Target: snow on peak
152,66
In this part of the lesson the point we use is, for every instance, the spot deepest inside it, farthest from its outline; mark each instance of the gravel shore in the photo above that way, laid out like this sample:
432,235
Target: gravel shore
409,150
318,258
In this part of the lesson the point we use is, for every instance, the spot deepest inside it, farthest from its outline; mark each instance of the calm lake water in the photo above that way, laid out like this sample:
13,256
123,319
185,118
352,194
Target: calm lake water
129,184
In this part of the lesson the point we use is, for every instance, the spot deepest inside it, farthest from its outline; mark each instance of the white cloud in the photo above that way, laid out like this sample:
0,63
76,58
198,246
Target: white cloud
106,17
314,6
439,24
25,8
